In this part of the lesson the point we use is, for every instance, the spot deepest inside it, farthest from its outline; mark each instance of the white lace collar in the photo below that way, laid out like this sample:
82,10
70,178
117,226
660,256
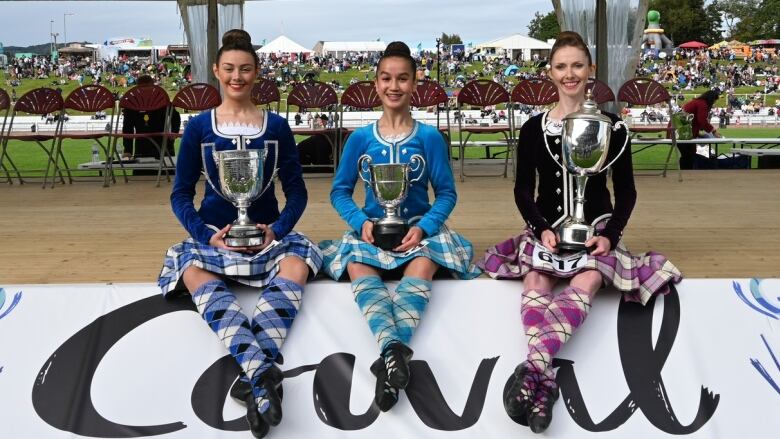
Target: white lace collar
238,129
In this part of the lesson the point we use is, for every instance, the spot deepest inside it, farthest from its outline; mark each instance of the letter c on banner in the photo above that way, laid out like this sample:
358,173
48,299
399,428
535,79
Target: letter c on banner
61,394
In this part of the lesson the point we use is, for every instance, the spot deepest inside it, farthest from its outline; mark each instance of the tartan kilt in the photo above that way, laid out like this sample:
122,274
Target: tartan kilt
248,269
447,248
637,277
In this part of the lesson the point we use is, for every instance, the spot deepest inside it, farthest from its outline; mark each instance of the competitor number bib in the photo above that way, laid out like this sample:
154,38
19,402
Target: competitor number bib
544,259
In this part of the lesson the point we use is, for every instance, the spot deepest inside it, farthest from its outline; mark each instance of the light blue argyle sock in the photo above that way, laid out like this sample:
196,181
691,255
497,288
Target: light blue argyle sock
376,304
411,297
274,314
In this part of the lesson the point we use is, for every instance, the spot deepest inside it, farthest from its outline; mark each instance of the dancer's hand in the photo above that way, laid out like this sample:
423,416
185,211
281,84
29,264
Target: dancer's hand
599,244
411,240
367,232
218,240
268,238
550,240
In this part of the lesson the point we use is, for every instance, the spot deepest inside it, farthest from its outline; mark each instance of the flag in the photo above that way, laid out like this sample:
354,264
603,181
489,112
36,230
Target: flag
419,47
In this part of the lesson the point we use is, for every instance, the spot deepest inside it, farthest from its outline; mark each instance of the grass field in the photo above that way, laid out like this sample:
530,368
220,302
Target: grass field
31,160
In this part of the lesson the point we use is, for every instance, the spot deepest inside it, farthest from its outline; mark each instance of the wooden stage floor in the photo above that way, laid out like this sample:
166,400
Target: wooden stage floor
715,224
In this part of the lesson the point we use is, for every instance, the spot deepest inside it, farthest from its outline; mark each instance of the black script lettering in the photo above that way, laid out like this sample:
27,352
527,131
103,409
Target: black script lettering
61,394
642,365
431,407
216,380
331,394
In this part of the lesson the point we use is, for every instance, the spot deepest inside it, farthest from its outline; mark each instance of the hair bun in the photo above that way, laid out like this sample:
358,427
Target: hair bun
397,48
237,38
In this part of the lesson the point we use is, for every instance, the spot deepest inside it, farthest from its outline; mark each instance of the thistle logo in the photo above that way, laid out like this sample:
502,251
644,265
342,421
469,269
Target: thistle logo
14,302
762,306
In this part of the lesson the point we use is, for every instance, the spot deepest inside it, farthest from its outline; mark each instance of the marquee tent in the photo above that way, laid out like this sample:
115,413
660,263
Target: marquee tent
515,46
339,48
692,45
282,44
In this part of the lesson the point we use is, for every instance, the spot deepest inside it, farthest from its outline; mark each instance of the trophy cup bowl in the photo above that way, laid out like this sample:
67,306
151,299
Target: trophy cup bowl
389,182
241,181
584,145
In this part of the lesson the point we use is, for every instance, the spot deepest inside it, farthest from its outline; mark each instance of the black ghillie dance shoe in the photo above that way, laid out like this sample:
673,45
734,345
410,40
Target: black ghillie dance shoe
397,356
385,395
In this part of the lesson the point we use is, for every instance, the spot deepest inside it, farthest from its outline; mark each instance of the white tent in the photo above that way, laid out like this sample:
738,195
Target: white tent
339,48
514,46
282,44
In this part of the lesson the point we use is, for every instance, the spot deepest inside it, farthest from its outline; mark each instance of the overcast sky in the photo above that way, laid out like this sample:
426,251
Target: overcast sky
24,23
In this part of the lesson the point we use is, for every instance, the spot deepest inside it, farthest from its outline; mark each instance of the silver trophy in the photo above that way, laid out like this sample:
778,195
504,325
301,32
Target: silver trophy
389,182
585,144
241,182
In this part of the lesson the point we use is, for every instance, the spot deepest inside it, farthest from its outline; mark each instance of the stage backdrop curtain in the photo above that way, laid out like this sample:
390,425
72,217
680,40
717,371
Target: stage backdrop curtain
194,15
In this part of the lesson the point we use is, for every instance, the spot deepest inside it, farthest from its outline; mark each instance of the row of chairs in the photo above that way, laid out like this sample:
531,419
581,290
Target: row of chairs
542,92
93,100
310,95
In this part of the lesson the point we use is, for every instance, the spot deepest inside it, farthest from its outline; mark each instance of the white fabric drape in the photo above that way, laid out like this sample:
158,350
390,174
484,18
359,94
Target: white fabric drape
195,18
625,21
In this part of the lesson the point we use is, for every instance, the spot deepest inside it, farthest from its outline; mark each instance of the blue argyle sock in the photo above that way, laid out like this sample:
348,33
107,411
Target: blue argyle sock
220,309
376,304
411,297
274,314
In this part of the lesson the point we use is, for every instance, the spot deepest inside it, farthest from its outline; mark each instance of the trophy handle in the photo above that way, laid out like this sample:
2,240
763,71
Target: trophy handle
276,163
363,163
206,168
416,162
616,127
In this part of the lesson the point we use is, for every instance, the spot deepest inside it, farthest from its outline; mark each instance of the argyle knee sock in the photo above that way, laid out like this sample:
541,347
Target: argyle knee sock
375,302
220,309
411,297
533,306
563,316
274,314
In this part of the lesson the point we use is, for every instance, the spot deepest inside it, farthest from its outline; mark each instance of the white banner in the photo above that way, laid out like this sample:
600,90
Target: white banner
120,361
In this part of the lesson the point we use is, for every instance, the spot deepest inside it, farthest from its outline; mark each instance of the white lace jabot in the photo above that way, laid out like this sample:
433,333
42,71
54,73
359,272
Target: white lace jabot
238,129
395,138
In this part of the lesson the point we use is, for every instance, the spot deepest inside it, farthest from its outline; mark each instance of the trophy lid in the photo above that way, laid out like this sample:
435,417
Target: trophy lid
589,111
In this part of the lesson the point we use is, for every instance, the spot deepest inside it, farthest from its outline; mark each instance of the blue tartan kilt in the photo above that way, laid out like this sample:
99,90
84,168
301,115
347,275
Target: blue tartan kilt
447,248
248,269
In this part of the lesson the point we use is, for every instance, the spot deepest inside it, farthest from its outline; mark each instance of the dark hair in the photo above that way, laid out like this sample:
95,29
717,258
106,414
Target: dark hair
709,96
237,39
570,39
398,49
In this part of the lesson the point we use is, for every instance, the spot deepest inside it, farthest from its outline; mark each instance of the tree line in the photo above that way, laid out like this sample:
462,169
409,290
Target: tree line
687,20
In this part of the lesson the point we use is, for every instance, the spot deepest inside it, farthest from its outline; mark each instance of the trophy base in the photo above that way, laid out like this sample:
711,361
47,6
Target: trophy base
574,236
389,236
244,236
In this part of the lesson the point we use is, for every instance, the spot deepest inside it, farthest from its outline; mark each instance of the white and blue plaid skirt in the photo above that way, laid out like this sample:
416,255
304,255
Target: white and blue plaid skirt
256,270
447,248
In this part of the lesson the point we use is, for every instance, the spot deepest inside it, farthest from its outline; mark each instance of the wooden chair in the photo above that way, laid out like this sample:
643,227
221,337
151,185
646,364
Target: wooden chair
643,91
316,95
482,93
265,92
5,106
358,96
89,99
600,91
144,99
40,102
430,93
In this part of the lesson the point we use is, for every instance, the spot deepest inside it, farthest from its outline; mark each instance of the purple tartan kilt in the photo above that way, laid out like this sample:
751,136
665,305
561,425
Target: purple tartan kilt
247,269
637,277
